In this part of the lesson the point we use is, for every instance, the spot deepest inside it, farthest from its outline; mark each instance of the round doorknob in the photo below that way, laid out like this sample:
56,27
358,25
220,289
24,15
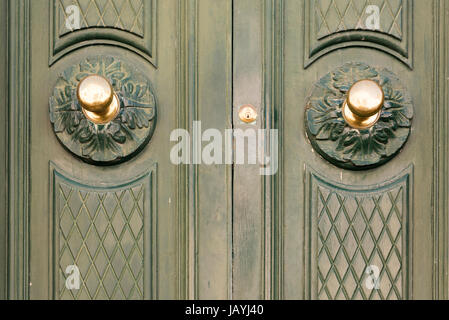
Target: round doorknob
363,104
97,98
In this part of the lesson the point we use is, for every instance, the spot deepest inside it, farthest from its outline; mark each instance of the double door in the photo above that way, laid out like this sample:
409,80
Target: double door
231,170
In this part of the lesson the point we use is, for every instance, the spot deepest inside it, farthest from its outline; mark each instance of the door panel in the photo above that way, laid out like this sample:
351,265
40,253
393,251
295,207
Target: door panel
210,194
4,150
349,229
105,220
248,218
132,228
339,222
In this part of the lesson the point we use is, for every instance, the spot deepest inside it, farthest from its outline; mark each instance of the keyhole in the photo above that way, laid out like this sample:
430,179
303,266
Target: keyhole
248,113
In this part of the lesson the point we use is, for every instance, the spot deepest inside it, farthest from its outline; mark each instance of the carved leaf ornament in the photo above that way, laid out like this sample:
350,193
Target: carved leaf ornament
113,142
351,148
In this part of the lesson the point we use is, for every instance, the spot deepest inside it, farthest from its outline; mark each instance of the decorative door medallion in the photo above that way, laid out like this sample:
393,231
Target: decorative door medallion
353,147
122,137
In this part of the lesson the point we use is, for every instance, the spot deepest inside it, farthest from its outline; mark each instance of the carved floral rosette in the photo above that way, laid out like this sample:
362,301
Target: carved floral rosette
351,148
118,140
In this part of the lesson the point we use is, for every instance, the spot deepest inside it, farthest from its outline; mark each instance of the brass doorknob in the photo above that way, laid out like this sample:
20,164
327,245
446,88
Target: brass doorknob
97,98
363,104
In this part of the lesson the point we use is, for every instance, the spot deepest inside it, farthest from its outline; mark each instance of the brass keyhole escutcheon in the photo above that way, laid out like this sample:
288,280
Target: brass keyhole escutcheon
98,100
363,105
248,113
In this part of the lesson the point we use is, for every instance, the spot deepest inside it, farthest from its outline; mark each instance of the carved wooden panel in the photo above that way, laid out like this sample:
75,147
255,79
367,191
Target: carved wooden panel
381,24
350,148
120,139
354,232
124,15
106,232
130,24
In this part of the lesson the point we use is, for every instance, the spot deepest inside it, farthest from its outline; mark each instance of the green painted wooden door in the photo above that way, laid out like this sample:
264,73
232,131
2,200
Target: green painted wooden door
351,214
348,214
131,228
348,227
334,223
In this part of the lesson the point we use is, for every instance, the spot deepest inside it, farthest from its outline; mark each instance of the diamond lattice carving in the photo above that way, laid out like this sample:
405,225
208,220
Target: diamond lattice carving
355,232
126,15
334,16
102,234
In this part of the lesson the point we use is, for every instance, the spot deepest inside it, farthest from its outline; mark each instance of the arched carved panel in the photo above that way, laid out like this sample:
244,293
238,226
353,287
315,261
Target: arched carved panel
353,230
108,232
336,24
130,24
